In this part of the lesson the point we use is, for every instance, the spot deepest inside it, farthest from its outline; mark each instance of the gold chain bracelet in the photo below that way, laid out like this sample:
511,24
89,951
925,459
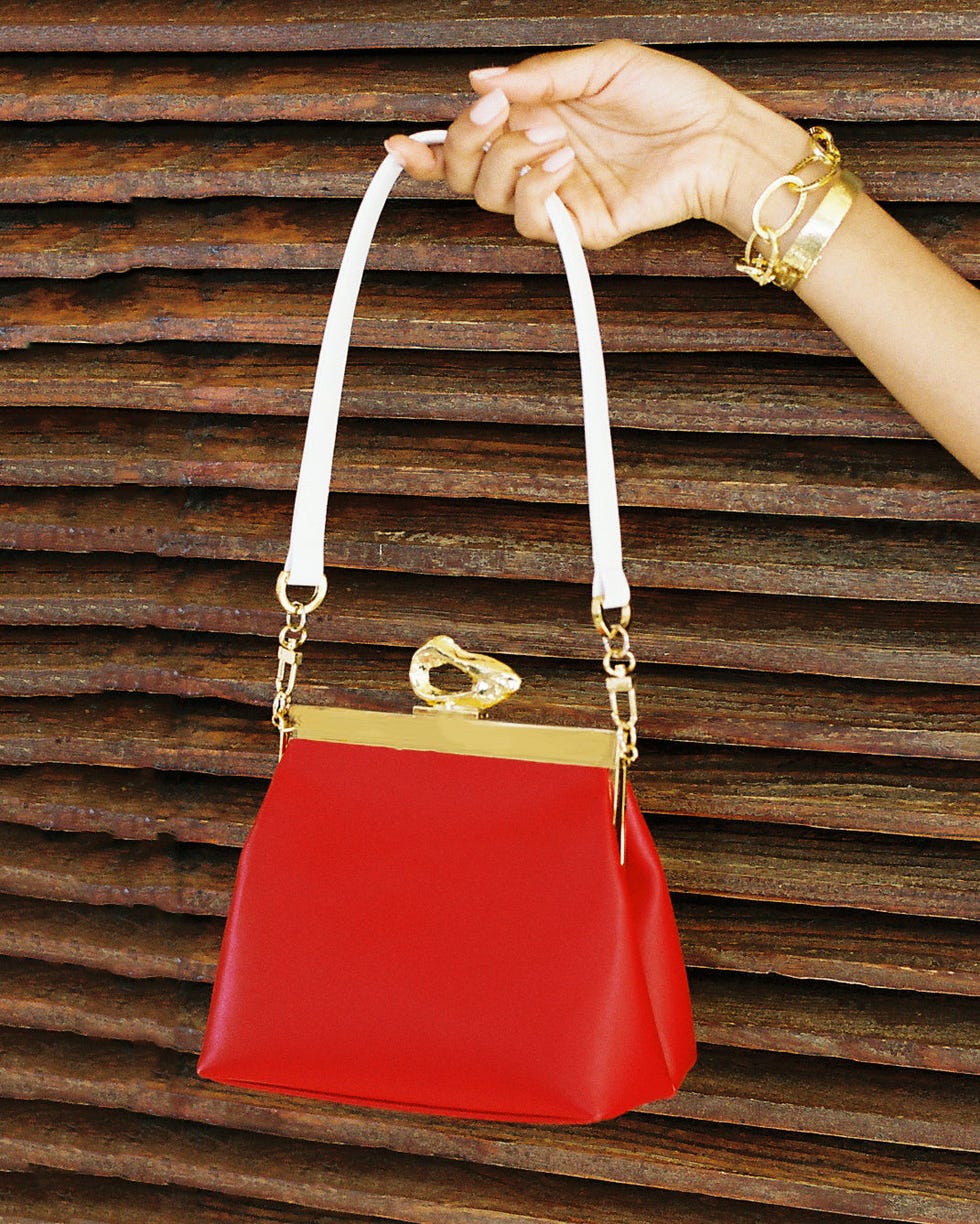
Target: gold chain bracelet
766,269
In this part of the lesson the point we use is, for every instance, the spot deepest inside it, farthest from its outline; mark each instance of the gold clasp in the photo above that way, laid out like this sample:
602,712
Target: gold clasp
619,663
493,681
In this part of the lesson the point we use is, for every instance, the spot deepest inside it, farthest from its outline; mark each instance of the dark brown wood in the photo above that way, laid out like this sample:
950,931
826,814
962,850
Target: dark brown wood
770,863
402,310
117,162
717,392
56,1198
82,240
737,553
825,477
848,82
716,859
827,1096
697,705
864,949
866,639
52,25
142,942
748,1011
100,870
896,953
875,1026
136,804
646,1153
742,1087
872,793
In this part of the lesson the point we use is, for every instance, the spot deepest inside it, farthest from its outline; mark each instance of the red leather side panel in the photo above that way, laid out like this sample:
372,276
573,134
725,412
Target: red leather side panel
448,934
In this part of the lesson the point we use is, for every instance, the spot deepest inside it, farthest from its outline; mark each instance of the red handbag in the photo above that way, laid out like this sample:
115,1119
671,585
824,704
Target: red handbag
436,912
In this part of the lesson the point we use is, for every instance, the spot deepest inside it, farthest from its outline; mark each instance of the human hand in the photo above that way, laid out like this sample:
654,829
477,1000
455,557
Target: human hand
631,139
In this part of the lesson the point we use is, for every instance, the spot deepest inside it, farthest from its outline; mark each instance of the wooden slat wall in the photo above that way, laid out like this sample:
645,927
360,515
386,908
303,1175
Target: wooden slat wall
176,181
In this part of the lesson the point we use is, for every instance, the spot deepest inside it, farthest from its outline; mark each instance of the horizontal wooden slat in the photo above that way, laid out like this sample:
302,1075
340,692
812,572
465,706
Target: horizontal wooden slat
405,310
132,942
783,1170
740,1087
57,1198
757,1012
740,553
679,703
847,82
825,477
53,25
118,162
870,640
894,953
717,859
871,793
82,240
727,393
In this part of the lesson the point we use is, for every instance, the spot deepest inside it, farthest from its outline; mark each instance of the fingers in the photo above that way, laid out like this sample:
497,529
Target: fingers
533,188
424,162
509,158
460,159
470,135
557,76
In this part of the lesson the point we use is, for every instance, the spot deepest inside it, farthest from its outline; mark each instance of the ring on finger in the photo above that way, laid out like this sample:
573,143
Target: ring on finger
523,170
487,146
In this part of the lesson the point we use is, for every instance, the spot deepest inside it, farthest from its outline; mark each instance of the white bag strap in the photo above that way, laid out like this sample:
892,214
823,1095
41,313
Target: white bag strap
304,562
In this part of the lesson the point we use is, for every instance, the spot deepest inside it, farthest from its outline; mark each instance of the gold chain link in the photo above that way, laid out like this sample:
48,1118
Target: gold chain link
619,663
291,638
765,268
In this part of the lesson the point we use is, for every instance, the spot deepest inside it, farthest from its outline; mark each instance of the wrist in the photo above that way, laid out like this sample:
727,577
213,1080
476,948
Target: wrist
760,146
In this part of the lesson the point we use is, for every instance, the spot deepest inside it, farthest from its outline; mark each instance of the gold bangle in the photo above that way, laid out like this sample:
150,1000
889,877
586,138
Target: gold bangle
802,256
824,153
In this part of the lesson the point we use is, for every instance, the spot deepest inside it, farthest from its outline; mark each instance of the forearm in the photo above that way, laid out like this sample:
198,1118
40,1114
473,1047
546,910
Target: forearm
911,320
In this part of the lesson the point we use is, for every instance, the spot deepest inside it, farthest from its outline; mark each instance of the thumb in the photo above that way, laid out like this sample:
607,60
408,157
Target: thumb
557,76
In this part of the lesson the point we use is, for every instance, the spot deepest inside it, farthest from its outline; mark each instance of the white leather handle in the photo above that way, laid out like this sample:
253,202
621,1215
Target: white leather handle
304,562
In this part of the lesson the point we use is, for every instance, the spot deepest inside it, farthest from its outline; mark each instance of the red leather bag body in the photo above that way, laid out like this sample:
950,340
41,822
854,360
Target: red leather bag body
449,934
432,912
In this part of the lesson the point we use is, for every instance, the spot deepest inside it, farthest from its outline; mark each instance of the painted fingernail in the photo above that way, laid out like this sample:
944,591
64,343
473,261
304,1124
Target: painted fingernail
544,133
557,160
486,74
489,108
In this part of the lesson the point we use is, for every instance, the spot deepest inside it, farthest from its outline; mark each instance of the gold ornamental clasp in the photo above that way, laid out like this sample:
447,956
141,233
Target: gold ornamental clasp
492,681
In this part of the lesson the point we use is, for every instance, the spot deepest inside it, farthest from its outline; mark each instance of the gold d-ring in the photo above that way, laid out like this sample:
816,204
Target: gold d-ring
295,606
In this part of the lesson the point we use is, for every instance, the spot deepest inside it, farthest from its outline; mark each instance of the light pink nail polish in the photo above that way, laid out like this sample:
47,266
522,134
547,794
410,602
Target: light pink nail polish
489,107
486,74
545,133
558,160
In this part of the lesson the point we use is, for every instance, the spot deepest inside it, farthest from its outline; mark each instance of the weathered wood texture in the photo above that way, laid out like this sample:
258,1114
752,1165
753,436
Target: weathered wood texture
861,479
295,25
803,559
913,796
114,162
406,310
840,82
859,639
140,937
83,240
780,1091
643,1154
705,859
699,705
886,1027
761,393
704,551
